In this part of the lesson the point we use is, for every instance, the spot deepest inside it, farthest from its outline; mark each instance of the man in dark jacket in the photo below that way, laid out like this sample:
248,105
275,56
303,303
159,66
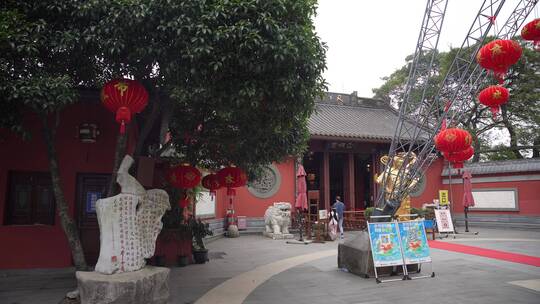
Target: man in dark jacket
340,207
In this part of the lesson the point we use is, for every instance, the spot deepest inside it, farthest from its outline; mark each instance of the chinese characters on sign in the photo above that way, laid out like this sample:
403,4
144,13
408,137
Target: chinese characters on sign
414,242
444,220
385,245
443,197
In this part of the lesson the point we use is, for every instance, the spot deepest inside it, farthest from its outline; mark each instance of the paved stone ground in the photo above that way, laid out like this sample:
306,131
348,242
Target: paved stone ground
460,278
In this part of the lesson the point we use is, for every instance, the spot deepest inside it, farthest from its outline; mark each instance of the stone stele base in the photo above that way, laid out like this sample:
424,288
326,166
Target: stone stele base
149,285
280,236
355,256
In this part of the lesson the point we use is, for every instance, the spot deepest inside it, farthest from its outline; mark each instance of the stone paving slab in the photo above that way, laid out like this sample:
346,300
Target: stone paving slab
319,281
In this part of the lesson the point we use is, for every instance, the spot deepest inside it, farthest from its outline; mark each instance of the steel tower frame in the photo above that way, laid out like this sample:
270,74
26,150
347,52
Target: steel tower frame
420,120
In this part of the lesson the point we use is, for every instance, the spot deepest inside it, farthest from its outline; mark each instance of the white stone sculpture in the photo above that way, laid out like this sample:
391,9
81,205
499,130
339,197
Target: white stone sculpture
129,223
277,219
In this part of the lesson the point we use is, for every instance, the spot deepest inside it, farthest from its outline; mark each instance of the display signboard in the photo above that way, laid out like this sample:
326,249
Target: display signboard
443,197
323,214
414,242
444,220
385,245
91,199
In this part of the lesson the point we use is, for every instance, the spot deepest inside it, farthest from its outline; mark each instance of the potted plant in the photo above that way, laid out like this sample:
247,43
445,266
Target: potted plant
199,230
176,234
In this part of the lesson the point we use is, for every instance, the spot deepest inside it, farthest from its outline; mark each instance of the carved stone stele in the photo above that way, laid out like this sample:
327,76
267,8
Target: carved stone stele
129,224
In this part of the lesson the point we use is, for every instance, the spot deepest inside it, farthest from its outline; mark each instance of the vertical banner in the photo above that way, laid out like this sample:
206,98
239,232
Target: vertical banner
443,197
444,220
385,245
414,242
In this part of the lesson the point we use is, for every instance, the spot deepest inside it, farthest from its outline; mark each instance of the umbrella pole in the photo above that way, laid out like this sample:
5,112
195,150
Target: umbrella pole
466,220
451,198
300,224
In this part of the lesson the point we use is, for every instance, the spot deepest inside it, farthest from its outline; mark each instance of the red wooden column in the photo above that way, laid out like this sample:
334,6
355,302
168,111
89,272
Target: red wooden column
326,179
375,169
349,182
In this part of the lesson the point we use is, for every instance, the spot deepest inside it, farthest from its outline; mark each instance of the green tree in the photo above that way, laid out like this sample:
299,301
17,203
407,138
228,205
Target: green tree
233,81
520,117
38,73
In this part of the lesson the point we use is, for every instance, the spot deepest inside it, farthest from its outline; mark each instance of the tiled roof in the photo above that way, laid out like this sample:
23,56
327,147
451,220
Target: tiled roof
503,166
342,115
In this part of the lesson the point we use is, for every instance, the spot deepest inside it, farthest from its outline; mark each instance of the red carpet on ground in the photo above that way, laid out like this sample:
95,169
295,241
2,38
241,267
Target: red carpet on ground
488,253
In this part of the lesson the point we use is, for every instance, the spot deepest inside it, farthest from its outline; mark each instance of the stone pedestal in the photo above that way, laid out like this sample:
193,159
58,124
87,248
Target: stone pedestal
278,236
149,285
355,255
232,231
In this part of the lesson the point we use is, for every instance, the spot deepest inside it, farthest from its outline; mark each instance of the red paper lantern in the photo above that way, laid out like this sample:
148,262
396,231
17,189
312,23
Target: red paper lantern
124,97
493,97
457,158
531,32
498,56
232,177
211,182
184,176
453,140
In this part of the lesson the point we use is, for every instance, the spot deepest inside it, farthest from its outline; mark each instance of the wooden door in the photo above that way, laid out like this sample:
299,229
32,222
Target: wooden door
90,188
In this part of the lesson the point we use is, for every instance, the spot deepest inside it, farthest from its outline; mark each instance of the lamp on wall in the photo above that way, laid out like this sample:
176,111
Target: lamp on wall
87,133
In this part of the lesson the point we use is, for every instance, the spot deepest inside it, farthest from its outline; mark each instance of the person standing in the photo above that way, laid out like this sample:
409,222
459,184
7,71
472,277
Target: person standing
340,207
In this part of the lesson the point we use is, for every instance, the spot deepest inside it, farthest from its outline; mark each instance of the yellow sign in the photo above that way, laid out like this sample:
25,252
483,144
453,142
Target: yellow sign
443,197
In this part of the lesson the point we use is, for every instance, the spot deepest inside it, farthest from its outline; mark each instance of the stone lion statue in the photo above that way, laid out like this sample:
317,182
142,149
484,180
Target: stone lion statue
277,218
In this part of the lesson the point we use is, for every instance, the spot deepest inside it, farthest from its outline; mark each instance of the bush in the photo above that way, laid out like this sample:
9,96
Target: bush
368,212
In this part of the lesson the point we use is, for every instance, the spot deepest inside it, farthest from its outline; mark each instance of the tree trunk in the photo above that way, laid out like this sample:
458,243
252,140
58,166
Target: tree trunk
512,131
68,224
536,151
148,124
476,144
119,154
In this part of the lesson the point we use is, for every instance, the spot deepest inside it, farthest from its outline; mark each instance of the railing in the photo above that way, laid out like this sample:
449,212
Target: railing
354,220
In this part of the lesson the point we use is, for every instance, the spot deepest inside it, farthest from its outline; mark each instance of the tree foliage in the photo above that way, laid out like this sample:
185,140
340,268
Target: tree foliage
239,77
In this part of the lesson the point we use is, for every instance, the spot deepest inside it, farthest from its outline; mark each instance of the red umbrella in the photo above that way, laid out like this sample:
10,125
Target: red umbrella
301,198
468,199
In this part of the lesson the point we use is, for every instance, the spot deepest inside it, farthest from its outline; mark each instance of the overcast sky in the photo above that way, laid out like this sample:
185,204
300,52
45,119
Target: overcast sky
369,39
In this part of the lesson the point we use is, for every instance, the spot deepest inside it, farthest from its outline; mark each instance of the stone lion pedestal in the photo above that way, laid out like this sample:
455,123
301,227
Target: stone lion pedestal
278,236
148,285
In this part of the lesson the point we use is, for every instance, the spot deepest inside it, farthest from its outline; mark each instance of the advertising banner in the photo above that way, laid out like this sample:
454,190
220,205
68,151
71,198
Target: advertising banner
385,245
414,242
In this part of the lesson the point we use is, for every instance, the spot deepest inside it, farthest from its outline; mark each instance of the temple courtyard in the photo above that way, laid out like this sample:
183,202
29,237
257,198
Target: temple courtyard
502,266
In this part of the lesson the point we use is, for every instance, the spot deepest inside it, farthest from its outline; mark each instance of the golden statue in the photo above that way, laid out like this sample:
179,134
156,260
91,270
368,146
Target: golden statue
395,178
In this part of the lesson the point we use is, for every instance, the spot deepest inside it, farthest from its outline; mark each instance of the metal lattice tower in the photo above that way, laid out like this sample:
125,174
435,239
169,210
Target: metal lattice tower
420,119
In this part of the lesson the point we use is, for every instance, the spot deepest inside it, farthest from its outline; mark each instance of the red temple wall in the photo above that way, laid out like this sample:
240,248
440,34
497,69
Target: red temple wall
45,246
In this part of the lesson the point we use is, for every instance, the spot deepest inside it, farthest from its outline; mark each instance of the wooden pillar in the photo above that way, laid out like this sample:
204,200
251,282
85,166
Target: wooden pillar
326,179
375,169
350,182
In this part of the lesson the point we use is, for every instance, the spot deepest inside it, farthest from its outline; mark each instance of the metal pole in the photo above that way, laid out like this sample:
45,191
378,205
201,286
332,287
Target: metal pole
451,195
466,220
